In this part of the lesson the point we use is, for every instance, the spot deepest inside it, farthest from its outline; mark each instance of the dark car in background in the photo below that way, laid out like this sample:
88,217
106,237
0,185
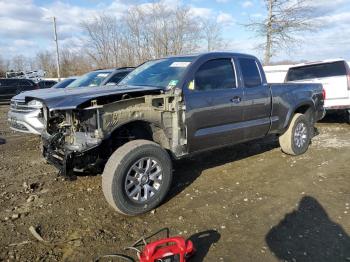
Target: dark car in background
9,87
46,83
93,78
101,77
117,75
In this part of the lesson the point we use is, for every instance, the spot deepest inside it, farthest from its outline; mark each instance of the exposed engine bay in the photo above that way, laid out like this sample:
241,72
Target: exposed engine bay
84,138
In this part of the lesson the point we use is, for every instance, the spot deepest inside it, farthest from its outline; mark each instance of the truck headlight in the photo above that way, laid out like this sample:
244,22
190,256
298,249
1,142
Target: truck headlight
35,104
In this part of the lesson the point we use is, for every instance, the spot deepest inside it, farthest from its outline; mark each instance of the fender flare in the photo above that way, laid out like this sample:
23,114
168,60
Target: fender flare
293,110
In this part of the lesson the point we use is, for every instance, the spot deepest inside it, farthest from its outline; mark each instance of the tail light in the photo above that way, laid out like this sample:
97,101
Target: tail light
324,94
348,74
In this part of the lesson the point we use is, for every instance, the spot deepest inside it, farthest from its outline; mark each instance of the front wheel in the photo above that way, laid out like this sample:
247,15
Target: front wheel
296,140
137,177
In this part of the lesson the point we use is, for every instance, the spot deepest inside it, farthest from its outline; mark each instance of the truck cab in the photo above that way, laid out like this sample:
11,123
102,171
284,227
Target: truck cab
227,99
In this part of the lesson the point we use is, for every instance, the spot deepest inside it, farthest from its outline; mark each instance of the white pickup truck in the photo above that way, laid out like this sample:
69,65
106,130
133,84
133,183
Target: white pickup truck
334,75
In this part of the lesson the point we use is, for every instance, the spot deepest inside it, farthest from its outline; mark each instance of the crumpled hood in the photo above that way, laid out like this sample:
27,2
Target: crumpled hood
71,98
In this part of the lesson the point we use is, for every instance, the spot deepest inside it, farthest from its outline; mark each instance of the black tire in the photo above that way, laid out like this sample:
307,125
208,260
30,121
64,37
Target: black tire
288,142
119,165
347,116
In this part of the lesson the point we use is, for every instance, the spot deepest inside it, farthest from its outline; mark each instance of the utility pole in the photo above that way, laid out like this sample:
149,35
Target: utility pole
57,53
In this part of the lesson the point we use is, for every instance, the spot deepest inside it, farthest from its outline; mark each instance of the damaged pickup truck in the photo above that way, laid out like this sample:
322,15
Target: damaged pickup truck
168,109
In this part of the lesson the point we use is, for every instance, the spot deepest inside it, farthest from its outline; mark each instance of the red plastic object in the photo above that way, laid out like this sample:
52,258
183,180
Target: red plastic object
168,249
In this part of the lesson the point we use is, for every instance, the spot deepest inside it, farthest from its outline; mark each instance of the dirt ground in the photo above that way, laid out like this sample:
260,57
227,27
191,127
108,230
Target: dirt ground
245,203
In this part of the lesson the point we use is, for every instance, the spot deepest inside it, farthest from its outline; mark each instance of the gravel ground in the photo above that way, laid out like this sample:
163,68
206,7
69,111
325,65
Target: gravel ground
245,203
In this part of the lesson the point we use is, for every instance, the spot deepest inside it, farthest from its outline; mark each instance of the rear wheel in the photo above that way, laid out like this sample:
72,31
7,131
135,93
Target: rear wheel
137,177
296,140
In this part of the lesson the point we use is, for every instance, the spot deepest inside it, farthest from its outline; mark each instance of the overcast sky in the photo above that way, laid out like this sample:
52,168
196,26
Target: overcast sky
26,27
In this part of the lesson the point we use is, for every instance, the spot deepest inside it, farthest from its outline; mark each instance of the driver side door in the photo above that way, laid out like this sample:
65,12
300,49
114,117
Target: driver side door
213,108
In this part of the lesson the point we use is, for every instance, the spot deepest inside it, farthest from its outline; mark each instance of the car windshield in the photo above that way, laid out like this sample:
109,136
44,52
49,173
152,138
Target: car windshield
64,83
165,73
90,79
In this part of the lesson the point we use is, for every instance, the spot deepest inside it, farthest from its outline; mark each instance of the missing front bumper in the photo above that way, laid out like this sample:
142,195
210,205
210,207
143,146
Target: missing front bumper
63,162
70,162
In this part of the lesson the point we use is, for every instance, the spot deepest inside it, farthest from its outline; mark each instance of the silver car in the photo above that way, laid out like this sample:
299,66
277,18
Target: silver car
27,117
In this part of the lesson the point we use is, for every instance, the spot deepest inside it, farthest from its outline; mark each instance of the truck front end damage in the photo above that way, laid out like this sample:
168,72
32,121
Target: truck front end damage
83,139
71,139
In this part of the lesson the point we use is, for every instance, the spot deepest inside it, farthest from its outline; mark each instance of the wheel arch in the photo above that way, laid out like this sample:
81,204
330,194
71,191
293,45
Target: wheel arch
305,108
142,129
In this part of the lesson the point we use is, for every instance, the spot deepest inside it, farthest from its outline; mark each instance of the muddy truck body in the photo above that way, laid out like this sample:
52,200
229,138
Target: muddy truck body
168,109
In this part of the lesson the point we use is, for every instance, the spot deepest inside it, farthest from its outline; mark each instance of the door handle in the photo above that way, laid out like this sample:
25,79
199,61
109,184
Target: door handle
236,99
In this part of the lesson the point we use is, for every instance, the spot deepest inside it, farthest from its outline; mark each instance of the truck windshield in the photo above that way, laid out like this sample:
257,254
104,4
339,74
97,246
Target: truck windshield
164,73
316,71
90,79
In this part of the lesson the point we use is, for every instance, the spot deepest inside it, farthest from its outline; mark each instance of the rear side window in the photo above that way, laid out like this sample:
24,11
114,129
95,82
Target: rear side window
250,72
214,74
316,71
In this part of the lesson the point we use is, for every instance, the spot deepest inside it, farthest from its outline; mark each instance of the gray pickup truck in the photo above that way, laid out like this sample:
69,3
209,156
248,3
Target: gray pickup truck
168,109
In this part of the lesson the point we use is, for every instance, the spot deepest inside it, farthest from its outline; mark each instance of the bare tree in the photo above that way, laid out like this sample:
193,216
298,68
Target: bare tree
3,67
137,39
284,19
186,30
212,34
104,39
46,61
145,32
74,62
19,63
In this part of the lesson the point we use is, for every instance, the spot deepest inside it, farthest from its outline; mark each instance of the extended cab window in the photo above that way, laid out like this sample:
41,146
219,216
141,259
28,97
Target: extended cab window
250,72
214,74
